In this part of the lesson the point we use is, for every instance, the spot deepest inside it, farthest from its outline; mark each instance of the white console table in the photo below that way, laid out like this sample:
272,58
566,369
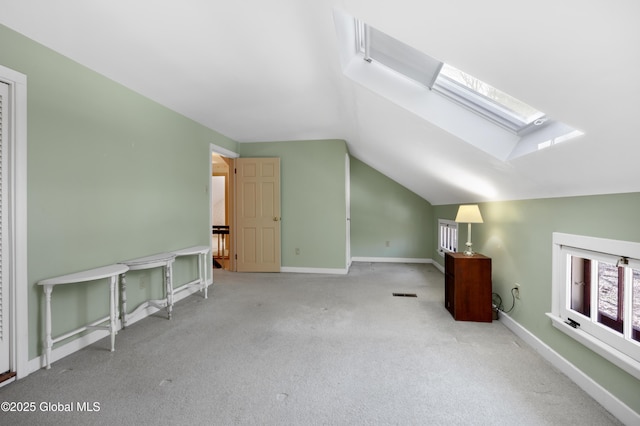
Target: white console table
161,260
110,272
201,281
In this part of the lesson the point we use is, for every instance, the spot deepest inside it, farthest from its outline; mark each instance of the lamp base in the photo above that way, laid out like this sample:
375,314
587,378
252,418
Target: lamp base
468,251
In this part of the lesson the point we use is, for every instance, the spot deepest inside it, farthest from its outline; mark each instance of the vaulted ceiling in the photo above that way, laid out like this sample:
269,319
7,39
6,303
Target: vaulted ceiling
258,70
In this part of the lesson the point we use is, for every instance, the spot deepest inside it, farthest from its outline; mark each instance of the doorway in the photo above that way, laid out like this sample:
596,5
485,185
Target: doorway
221,211
244,212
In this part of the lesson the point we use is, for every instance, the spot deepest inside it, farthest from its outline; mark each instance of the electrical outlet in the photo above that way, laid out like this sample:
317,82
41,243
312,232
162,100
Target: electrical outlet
387,244
516,291
297,251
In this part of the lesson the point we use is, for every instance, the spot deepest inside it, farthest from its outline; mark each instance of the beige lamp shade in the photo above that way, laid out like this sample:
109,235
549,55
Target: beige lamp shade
469,214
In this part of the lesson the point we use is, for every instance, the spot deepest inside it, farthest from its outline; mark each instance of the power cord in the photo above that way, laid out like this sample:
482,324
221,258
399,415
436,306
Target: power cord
497,301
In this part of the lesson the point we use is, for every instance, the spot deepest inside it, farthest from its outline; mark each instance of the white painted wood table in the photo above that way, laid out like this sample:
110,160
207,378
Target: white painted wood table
111,272
201,281
161,260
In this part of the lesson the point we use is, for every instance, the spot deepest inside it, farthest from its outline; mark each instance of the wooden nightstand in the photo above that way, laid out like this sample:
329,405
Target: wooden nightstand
467,287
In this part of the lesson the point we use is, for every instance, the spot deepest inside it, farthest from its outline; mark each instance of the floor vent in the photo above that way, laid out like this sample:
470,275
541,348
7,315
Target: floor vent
405,295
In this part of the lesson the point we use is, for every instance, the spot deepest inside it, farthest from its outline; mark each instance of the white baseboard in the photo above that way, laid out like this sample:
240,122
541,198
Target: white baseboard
399,260
391,260
609,401
333,271
438,266
92,337
340,271
69,348
8,381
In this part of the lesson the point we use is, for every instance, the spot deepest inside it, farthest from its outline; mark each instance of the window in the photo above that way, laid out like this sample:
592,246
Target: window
377,46
596,296
480,97
486,100
447,236
508,127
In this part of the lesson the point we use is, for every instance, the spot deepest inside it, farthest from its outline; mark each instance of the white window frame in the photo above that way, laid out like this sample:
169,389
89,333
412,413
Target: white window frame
447,236
485,107
619,348
428,71
414,80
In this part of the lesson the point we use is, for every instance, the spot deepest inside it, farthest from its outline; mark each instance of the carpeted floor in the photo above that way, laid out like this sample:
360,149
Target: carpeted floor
309,349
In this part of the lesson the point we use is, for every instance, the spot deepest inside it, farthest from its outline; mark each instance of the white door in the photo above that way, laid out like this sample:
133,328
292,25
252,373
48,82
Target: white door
4,234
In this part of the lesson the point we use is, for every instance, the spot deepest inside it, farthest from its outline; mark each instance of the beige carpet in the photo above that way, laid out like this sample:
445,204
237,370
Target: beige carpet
298,349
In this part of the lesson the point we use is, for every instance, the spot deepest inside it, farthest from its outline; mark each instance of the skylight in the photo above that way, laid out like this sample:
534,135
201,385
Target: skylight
377,46
486,100
447,97
471,92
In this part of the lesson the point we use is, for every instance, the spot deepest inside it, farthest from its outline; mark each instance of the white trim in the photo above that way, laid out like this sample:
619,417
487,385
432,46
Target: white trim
609,353
227,153
439,267
347,190
18,271
605,398
150,310
69,348
616,348
602,245
297,270
451,224
399,260
340,271
8,381
94,336
392,260
222,151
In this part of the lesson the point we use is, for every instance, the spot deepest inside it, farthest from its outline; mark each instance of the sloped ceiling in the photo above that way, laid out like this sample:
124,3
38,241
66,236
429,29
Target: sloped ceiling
258,70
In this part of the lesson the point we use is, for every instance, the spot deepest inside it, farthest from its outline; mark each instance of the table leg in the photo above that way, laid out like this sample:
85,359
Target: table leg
123,300
48,342
202,273
112,312
169,287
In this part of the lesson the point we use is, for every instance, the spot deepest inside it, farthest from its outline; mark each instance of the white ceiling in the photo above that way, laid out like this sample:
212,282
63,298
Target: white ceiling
258,70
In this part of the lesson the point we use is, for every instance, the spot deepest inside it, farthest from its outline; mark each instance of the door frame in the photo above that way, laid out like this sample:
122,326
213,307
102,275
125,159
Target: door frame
347,190
17,215
213,148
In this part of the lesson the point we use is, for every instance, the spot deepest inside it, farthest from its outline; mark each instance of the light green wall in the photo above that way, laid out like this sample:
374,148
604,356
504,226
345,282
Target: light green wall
517,236
313,200
111,176
381,211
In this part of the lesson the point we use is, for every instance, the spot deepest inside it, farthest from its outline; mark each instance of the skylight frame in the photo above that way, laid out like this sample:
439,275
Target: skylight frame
381,71
361,38
482,105
485,105
377,46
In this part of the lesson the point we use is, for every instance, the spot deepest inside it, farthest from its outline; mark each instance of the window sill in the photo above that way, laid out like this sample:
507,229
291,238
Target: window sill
616,357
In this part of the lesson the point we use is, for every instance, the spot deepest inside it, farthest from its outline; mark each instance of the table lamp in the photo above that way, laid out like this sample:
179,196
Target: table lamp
469,214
